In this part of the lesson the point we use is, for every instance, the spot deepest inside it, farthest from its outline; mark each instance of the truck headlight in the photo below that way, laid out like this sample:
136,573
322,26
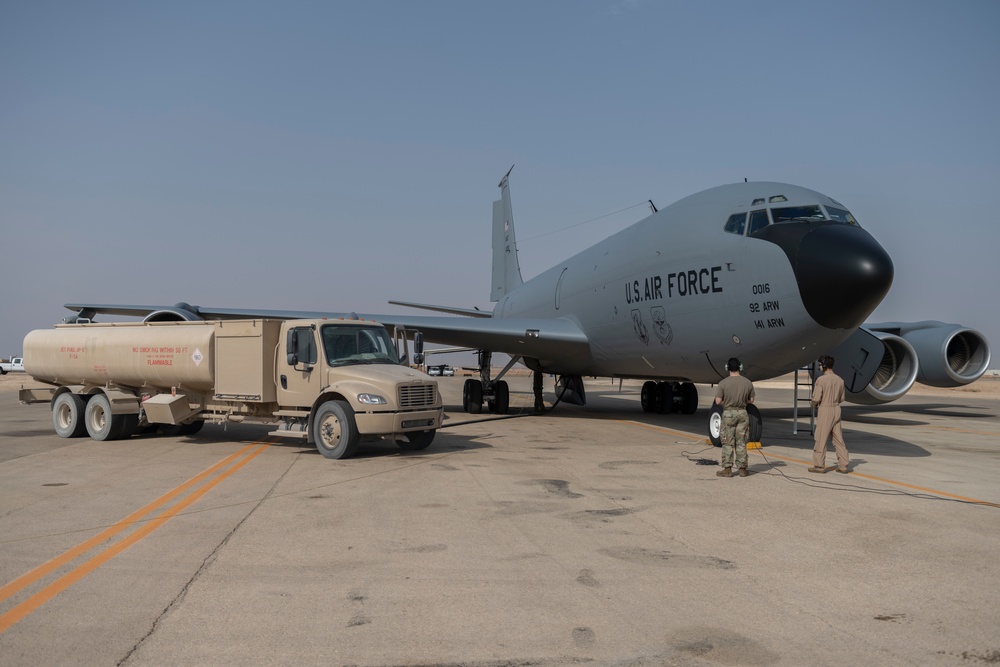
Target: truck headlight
371,399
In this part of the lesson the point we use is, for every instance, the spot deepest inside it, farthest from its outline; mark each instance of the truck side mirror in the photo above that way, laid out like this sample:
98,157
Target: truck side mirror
418,348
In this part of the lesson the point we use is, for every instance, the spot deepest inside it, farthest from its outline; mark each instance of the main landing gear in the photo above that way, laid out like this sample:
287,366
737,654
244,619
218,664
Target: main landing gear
667,397
493,392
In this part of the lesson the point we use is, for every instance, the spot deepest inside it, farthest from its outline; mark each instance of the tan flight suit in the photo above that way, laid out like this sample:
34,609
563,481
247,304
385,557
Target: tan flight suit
828,394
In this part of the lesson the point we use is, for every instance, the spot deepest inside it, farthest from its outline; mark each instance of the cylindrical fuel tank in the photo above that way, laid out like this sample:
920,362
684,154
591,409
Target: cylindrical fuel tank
135,354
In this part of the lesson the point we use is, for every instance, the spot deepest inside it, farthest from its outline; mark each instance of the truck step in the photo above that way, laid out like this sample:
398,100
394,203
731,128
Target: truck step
302,435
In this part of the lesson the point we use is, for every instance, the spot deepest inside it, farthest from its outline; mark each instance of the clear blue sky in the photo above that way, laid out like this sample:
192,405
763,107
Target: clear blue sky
324,155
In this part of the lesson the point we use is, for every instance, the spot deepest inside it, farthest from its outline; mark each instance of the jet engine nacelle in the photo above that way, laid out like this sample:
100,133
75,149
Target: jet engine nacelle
895,375
179,312
950,355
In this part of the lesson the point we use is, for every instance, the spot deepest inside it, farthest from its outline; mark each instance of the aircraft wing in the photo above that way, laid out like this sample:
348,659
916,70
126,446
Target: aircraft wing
555,340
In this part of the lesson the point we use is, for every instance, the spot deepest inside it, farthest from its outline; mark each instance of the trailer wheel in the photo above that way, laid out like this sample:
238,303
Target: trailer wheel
182,429
335,431
68,415
102,425
418,440
192,427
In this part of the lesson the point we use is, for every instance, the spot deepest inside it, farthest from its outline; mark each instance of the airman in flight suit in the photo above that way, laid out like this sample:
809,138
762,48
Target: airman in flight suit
828,394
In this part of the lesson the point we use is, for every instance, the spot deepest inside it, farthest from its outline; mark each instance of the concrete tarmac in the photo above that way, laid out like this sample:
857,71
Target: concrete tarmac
585,536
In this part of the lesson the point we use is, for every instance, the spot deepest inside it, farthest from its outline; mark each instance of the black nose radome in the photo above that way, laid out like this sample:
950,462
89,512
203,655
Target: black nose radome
842,271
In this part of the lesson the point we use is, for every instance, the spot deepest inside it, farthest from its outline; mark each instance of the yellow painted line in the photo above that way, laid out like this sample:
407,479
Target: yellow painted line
47,568
654,427
809,463
955,429
20,611
883,480
892,482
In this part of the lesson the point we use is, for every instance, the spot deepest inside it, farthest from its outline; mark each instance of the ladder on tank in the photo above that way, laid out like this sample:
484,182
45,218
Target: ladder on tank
797,398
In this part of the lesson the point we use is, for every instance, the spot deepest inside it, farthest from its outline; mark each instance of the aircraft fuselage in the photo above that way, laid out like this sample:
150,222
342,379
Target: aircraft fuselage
675,295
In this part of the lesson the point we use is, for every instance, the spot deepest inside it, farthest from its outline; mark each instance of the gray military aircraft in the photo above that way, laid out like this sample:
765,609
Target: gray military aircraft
771,273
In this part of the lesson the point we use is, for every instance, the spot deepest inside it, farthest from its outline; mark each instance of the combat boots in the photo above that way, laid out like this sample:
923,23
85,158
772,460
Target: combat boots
743,472
725,472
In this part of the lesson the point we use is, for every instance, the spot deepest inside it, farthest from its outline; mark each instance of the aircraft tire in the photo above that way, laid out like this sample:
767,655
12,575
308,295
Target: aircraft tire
715,425
472,396
501,398
68,415
335,431
689,404
648,396
756,424
417,440
665,397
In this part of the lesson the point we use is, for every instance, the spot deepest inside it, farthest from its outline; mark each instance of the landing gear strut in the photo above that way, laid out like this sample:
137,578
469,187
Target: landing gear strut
667,397
494,392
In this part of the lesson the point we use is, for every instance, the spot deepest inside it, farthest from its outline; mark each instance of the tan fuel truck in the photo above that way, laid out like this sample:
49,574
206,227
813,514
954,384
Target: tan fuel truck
330,382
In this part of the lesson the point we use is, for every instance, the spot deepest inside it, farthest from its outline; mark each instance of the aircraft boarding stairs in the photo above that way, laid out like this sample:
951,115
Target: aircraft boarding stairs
807,386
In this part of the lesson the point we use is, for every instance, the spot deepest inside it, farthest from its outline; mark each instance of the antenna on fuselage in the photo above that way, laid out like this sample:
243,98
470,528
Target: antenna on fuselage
652,206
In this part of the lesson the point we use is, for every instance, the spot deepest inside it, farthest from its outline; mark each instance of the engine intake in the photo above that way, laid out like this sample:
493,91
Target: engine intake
895,375
179,312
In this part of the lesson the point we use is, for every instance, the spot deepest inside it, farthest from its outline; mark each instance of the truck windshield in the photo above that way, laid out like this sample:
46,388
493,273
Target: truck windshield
345,345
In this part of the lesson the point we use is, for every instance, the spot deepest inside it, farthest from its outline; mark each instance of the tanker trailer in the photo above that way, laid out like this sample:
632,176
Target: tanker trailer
329,382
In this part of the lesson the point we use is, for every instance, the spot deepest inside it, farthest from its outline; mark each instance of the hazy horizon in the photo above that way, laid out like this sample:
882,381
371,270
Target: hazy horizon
334,156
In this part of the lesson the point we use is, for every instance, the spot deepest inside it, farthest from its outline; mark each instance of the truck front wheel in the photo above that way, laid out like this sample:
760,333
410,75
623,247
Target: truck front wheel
335,431
417,440
67,416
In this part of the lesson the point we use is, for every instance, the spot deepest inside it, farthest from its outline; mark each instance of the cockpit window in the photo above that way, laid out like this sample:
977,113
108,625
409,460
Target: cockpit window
841,215
736,223
758,220
777,199
758,201
797,213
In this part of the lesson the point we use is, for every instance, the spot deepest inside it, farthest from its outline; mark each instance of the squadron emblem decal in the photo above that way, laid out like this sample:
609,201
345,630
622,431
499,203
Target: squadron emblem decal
639,327
660,326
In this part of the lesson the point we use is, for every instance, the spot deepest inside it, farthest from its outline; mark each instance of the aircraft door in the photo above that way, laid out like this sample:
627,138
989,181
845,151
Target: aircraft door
300,374
731,325
559,286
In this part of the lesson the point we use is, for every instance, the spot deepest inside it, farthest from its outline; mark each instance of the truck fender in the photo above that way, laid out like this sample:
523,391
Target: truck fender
68,388
323,398
122,402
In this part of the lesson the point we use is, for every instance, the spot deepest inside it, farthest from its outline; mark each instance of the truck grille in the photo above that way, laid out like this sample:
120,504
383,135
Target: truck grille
417,395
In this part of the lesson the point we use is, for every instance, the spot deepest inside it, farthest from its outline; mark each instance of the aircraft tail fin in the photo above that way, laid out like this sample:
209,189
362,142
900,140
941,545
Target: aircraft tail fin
506,270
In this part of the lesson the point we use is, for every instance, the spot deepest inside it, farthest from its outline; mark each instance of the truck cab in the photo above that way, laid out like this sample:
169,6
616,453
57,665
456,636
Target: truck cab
345,371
